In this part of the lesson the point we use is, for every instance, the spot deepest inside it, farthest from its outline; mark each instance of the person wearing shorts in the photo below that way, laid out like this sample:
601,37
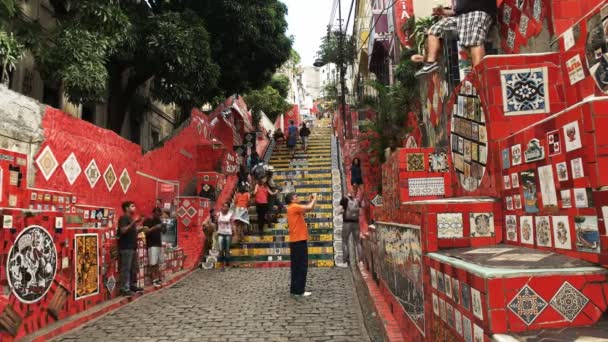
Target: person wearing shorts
154,243
472,20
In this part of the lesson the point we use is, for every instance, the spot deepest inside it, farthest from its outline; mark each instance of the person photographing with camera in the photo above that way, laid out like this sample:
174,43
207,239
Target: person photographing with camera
129,226
298,241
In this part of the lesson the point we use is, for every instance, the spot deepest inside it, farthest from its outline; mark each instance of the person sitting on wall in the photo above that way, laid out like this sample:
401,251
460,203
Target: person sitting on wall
279,136
472,19
154,243
128,228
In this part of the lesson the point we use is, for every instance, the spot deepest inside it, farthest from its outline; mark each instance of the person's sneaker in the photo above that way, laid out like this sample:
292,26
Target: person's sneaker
137,289
126,293
156,283
306,294
427,69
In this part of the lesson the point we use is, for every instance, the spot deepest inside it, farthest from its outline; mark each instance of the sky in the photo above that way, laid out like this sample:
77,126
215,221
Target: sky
308,20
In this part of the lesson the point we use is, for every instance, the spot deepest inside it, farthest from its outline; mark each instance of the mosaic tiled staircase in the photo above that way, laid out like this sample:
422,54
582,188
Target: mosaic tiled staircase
310,172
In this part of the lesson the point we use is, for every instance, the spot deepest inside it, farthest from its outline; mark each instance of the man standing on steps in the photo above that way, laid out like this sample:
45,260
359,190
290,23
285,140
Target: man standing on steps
127,244
298,242
350,205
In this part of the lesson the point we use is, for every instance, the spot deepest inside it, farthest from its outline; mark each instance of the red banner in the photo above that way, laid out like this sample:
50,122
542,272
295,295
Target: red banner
404,10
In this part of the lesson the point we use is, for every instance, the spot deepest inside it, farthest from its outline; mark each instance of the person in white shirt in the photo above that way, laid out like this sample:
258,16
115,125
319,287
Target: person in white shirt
225,225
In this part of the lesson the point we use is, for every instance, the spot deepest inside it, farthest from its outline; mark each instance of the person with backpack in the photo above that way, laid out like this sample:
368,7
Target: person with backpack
304,133
351,206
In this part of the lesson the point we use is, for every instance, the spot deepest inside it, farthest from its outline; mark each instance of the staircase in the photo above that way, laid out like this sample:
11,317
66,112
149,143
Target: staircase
310,172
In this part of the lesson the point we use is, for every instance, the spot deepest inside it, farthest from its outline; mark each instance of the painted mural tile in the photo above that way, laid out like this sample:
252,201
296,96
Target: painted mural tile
506,159
433,186
32,241
577,168
415,162
442,310
438,162
525,90
527,305
506,180
534,151
510,40
71,168
509,201
566,196
456,290
466,329
547,186
465,295
450,314
433,278
476,302
449,225
435,304
528,180
458,321
110,177
448,285
506,14
587,234
478,333
511,227
125,181
47,163
516,155
543,231
440,282
86,260
561,232
554,143
482,224
562,171
572,136
526,230
583,197
569,301
515,180
111,283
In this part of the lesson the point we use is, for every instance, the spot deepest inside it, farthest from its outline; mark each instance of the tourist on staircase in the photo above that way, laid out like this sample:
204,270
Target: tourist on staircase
210,231
292,138
241,214
262,193
225,222
155,229
127,245
350,215
279,136
304,133
356,175
298,242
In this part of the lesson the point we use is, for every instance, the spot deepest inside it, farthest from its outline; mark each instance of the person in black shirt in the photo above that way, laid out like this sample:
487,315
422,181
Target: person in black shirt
472,19
154,243
127,245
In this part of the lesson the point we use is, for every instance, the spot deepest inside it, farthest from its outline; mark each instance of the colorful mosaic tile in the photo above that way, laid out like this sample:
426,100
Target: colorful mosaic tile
476,301
434,186
527,305
92,173
482,224
524,91
449,225
181,212
125,181
110,177
568,301
47,163
71,168
415,162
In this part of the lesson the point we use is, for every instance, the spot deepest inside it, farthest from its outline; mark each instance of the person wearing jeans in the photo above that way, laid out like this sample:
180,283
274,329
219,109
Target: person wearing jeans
127,245
350,206
224,230
298,242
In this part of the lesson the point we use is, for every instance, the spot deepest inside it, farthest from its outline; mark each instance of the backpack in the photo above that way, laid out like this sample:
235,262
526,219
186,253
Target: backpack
352,210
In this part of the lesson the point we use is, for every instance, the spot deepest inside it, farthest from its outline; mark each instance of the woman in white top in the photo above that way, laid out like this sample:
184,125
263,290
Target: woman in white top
225,224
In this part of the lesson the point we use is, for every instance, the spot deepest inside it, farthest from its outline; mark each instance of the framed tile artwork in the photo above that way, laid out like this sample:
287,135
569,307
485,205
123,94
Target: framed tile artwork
442,310
506,159
476,302
440,282
478,333
566,198
526,230
449,225
465,295
543,231
511,227
562,171
534,99
515,180
528,180
516,155
587,234
581,200
577,168
561,232
450,314
433,278
572,136
547,186
448,285
482,224
553,143
506,182
509,201
517,201
456,290
458,321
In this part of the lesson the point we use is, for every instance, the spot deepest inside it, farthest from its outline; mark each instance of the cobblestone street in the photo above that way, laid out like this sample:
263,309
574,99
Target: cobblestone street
237,305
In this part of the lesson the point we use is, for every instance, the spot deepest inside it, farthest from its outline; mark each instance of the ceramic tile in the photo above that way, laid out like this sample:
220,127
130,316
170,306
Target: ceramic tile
506,14
448,285
523,25
534,151
125,181
511,227
449,225
543,231
506,181
581,200
442,310
577,168
528,180
562,171
526,230
587,234
450,314
506,159
527,305
476,302
110,177
440,282
566,196
433,278
572,136
434,186
71,168
511,39
458,321
415,162
92,173
516,155
482,224
465,295
438,162
478,333
456,290
47,163
561,232
568,301
525,90
467,329
554,143
435,304
514,180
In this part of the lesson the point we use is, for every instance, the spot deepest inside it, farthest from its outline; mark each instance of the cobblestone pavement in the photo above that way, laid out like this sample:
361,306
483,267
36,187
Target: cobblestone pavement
237,305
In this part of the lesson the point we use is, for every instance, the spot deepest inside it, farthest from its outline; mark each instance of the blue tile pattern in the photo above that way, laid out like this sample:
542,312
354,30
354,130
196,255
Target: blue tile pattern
527,305
525,91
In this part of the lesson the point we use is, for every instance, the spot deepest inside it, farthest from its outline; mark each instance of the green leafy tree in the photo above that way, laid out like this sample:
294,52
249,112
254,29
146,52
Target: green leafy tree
268,100
190,52
281,84
11,49
338,47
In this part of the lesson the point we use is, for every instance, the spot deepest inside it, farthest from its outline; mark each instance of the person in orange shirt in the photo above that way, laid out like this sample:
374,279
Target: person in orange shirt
241,214
298,239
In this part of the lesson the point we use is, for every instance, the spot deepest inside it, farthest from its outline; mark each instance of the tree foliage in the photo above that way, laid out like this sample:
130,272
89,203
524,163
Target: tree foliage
338,47
281,84
268,100
189,51
11,49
